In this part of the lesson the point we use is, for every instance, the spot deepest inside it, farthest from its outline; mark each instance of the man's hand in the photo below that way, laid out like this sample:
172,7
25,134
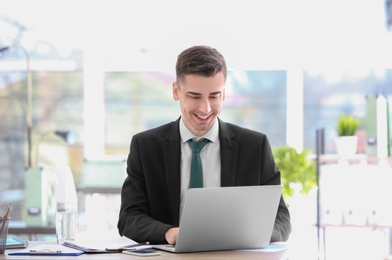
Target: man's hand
171,235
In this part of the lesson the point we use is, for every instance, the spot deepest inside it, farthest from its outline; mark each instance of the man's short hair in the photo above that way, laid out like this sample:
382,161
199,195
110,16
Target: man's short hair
200,60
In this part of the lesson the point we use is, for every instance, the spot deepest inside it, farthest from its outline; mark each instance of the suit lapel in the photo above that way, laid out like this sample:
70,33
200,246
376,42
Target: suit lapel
172,154
229,153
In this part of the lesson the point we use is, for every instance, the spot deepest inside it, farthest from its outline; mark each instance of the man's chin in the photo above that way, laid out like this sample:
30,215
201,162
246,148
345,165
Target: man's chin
202,128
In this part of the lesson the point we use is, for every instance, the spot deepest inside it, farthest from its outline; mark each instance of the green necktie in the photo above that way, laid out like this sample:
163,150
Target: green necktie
196,167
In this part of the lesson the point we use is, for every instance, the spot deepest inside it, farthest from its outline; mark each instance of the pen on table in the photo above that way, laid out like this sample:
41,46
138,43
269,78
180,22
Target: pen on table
8,211
5,217
127,247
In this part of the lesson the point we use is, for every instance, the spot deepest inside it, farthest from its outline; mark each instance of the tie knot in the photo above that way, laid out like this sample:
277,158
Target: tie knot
197,146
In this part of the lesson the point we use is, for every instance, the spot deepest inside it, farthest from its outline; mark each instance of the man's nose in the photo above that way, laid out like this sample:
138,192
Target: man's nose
205,106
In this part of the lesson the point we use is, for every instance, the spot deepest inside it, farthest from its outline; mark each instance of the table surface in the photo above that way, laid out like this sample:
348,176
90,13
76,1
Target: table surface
164,255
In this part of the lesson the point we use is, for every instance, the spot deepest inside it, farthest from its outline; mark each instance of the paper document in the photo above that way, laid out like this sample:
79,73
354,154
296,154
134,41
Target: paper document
103,246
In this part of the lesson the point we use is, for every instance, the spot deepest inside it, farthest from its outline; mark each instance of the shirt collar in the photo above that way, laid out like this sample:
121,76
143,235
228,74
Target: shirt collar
212,134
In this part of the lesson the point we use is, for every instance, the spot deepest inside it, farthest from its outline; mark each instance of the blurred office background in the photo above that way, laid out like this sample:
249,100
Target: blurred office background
101,71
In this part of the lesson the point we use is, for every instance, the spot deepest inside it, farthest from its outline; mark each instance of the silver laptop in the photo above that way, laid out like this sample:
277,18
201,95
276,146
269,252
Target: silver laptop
227,218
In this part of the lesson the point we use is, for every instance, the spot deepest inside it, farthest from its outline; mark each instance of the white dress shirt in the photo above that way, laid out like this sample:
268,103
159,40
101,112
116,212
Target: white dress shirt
209,155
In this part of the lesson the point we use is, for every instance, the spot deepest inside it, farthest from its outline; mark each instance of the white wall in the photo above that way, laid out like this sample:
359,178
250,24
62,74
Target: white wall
252,34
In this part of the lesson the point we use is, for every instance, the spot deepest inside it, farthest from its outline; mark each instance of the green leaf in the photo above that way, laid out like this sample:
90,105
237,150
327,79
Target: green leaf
295,168
347,125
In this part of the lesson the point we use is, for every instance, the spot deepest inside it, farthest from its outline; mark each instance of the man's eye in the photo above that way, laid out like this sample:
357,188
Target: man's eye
214,97
195,97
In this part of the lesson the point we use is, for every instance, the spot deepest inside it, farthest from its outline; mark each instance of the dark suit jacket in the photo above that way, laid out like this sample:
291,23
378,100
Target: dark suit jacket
150,198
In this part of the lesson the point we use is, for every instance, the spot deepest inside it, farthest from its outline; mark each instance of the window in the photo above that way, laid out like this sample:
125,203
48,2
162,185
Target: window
330,93
136,101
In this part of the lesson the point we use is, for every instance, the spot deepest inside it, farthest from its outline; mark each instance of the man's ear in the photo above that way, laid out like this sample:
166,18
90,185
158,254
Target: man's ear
224,94
175,91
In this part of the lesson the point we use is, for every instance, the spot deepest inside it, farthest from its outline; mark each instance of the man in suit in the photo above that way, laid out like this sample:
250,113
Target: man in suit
159,162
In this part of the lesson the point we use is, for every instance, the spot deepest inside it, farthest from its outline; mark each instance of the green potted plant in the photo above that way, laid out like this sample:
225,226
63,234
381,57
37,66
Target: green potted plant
346,142
297,170
348,125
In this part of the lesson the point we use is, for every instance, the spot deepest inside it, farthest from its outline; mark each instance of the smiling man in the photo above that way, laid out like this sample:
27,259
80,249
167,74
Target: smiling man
201,100
160,159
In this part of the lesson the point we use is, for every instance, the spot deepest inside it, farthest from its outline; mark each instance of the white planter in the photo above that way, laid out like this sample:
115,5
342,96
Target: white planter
346,146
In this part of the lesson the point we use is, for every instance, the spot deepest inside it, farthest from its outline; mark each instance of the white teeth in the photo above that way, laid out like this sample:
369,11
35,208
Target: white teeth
203,117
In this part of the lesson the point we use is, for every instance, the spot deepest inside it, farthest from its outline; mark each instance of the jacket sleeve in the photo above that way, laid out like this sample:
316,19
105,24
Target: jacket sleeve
282,227
135,218
272,176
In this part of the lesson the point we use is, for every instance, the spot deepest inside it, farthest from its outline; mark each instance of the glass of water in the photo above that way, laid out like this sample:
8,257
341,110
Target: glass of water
66,204
65,225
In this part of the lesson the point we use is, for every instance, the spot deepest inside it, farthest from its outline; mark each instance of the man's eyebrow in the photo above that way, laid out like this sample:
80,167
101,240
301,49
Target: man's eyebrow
198,94
193,93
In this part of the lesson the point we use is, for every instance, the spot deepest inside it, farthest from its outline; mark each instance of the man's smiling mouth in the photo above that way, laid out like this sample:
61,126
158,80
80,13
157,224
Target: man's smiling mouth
203,117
